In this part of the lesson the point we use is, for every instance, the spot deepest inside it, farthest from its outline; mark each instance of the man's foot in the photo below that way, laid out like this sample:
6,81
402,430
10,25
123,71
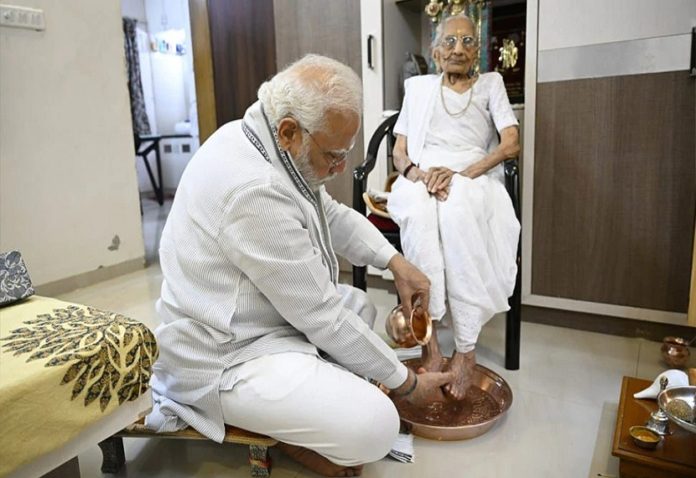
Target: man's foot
463,366
317,463
431,358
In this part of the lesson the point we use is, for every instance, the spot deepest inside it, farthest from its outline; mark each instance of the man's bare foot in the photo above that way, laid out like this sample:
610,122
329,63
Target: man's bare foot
317,463
431,357
463,366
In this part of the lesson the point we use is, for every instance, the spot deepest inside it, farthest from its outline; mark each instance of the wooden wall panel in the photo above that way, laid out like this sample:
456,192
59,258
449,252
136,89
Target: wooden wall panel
326,28
243,46
614,192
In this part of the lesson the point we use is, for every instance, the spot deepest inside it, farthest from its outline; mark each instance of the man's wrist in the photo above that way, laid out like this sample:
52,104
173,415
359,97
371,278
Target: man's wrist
407,387
394,263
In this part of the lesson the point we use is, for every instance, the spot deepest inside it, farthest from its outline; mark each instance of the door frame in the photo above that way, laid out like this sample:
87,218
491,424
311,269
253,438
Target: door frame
203,68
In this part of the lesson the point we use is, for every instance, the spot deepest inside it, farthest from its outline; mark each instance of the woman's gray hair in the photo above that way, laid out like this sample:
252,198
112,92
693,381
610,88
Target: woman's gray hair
309,88
440,30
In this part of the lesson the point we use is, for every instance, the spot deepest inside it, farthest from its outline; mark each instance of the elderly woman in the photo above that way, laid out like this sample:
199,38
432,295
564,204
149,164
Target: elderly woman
457,221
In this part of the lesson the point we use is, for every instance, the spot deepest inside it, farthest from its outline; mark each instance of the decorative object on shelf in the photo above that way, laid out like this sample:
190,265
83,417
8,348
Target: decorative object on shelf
644,437
478,10
433,10
508,54
675,351
679,404
659,421
676,378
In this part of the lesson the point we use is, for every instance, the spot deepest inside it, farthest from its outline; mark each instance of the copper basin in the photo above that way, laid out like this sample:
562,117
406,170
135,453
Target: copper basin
487,402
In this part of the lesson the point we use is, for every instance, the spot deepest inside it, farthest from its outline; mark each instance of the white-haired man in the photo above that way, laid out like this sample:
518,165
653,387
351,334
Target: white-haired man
251,305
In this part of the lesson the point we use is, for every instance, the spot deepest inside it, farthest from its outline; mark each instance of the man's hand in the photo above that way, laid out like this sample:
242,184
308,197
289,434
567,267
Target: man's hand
429,388
411,284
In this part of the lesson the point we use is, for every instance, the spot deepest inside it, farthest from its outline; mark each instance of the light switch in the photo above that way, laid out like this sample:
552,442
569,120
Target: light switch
22,17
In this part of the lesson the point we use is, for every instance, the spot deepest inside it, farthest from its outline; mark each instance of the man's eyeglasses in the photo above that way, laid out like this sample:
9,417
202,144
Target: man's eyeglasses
450,41
334,158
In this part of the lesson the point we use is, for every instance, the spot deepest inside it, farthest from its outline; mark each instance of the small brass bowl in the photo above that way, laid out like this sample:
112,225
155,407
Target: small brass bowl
416,330
644,437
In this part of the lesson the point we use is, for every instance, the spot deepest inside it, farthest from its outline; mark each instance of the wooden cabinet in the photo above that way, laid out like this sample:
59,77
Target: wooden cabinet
610,159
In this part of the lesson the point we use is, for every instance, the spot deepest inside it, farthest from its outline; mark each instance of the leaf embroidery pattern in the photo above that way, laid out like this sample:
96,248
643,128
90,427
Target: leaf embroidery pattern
107,355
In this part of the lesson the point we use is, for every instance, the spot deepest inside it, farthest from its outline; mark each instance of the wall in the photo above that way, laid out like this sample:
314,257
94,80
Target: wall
67,176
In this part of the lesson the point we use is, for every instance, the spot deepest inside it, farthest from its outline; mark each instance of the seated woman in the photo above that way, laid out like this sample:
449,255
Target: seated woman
457,222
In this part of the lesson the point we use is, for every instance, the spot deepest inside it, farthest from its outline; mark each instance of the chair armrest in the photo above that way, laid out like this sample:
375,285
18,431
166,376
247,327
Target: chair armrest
360,173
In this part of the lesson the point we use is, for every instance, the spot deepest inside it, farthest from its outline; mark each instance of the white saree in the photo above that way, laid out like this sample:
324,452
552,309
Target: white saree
467,244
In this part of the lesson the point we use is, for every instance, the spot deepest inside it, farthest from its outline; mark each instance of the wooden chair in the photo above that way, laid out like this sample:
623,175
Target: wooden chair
391,231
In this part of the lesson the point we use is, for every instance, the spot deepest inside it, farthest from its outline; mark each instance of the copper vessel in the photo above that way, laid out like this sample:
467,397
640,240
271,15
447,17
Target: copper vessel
675,351
488,399
412,331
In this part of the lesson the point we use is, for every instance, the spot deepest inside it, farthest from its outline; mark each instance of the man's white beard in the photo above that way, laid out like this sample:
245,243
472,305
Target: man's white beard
304,166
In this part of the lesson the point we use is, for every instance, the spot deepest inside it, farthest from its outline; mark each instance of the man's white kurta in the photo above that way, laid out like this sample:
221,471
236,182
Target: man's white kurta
249,269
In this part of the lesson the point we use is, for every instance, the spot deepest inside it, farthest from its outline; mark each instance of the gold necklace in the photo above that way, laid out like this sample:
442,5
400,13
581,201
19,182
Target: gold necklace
458,114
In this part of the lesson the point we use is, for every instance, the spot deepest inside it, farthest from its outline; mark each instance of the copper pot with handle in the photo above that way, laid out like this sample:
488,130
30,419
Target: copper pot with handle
409,331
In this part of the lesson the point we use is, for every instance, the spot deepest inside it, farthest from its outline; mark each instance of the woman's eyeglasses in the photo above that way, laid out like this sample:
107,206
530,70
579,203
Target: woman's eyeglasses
450,41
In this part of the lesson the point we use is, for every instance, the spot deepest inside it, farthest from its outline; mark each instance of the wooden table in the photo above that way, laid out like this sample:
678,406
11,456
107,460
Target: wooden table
675,457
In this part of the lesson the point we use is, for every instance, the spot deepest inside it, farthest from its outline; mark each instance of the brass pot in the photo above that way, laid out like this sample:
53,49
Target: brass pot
675,351
412,331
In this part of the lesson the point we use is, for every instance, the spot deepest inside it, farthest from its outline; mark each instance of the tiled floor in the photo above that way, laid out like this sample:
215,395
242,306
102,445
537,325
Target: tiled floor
560,425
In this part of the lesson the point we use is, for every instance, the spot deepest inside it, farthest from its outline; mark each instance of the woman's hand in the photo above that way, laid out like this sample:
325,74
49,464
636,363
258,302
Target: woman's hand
438,179
415,174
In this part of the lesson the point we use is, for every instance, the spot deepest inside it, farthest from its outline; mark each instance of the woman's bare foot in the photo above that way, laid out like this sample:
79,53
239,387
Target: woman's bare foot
431,357
463,366
317,463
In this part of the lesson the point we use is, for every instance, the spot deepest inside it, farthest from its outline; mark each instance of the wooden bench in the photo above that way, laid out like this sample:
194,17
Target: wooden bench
114,457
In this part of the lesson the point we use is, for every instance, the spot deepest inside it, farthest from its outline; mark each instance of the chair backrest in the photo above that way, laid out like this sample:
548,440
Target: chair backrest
386,129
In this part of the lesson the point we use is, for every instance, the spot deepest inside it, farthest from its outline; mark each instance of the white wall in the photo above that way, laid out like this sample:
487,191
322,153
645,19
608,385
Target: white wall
172,75
67,175
596,38
571,23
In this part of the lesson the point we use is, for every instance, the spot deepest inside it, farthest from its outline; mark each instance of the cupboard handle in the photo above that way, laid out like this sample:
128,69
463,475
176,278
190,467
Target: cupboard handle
370,44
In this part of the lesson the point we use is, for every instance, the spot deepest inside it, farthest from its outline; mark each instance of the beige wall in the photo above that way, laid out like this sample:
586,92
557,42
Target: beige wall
67,174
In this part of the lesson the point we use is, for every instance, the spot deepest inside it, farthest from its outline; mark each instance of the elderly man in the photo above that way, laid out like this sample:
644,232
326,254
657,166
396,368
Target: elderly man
256,330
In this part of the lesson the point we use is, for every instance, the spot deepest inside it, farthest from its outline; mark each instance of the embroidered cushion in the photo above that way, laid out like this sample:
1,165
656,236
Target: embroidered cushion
15,283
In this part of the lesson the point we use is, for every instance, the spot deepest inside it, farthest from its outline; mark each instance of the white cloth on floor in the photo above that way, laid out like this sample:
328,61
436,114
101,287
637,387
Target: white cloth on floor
304,400
466,245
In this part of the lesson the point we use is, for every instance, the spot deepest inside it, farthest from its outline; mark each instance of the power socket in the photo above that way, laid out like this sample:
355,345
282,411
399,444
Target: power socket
22,17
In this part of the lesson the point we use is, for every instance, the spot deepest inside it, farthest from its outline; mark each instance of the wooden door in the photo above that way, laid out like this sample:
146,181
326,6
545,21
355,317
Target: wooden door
326,28
234,52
